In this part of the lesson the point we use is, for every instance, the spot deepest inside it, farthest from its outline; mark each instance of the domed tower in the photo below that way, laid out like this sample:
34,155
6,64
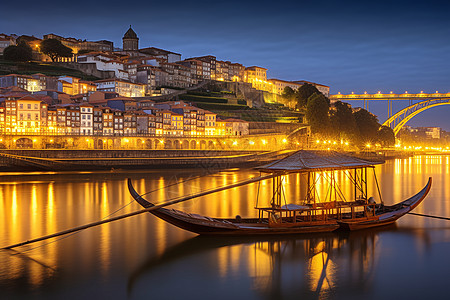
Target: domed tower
130,40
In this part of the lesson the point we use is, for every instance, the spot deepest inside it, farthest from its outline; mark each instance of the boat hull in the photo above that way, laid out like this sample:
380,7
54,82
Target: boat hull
389,214
252,226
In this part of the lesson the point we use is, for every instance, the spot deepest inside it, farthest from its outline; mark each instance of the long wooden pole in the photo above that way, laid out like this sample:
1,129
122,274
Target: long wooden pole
170,202
428,216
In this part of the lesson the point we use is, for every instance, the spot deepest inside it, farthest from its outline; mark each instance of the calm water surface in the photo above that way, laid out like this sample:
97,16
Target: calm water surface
145,258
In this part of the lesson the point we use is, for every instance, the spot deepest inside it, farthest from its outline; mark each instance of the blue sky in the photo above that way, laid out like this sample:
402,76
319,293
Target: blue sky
348,45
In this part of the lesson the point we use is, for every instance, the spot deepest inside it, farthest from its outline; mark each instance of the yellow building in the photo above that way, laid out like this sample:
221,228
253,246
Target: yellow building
74,86
278,85
177,124
210,123
23,115
257,76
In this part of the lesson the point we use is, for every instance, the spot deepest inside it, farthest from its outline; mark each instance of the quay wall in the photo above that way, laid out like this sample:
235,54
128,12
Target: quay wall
260,142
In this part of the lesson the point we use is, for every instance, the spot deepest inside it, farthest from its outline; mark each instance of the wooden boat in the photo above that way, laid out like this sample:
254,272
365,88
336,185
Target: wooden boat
309,215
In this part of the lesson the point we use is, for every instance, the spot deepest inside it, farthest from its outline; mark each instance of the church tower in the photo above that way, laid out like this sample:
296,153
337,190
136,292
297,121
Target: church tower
130,41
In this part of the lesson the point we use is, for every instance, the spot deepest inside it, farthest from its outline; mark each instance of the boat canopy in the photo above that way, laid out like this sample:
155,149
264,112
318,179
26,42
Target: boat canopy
316,160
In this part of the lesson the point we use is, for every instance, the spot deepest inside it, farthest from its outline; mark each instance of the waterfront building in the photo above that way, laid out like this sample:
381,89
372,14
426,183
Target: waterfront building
151,124
2,117
210,123
87,119
142,123
189,117
177,124
200,122
158,122
118,122
23,115
97,121
108,121
61,112
129,123
73,120
166,121
52,123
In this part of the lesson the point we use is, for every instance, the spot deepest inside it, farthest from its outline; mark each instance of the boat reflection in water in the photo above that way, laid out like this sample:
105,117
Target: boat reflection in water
311,266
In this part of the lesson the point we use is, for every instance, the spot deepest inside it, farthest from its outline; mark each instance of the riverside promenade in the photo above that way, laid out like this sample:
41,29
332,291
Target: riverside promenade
71,160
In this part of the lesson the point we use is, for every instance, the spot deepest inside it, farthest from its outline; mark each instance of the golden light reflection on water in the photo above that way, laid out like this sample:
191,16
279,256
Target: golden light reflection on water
34,208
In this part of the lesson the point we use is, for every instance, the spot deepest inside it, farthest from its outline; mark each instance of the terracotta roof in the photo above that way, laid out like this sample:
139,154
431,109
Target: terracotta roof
28,98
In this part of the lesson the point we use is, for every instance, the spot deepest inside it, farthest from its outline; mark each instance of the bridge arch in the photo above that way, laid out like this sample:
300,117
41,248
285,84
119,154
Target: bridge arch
397,121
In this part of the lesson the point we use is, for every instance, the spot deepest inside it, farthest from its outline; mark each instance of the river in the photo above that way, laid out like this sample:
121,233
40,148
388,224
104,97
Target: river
143,257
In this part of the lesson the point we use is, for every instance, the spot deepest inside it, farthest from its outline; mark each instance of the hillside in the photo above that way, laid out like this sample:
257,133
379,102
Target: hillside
28,68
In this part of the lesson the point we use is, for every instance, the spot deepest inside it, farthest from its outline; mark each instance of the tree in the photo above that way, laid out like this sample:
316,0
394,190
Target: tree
367,124
21,52
343,122
288,93
288,97
55,49
317,114
386,136
303,93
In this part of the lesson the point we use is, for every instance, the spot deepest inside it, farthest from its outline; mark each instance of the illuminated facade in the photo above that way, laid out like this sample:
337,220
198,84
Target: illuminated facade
123,88
278,85
23,115
74,86
25,82
210,123
29,115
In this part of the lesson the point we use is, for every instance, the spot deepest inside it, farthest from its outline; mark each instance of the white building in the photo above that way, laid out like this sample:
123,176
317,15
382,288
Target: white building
104,62
87,119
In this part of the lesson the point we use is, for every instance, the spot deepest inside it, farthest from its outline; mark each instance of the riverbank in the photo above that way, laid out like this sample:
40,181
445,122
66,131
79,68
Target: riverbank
64,160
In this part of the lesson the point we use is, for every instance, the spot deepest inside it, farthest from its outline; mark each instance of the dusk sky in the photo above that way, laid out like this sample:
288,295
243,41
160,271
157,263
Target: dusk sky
349,45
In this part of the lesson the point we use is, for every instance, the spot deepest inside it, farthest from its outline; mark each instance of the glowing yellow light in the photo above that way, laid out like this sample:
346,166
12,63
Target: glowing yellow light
264,142
368,145
284,141
34,140
346,143
251,142
235,143
317,141
51,141
162,142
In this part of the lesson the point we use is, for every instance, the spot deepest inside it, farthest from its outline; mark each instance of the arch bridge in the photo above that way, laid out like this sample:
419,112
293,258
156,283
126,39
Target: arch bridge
366,98
398,120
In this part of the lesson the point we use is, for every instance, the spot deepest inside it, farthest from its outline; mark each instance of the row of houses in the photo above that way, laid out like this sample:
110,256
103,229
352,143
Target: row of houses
145,70
29,115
